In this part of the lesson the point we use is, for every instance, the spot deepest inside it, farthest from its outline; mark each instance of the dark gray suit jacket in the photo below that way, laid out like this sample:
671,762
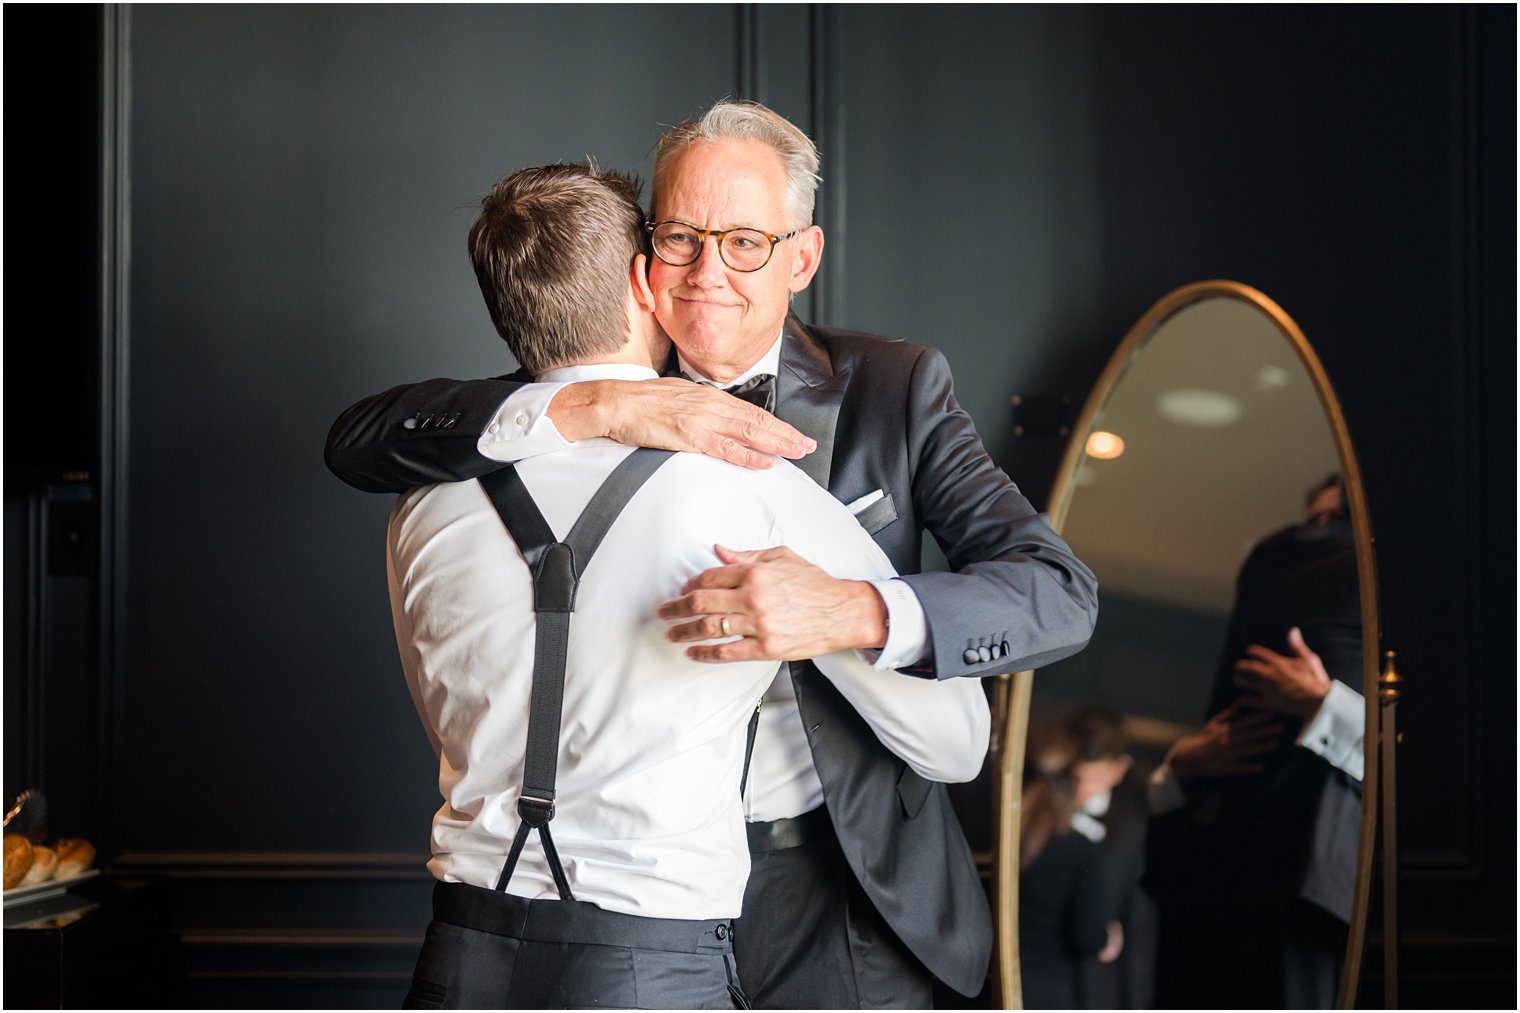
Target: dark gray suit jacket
885,417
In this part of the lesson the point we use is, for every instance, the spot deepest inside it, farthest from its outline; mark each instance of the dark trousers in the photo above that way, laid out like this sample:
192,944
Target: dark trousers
810,938
490,950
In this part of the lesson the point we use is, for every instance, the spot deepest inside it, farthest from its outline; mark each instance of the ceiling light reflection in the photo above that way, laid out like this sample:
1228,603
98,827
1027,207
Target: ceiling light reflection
1104,446
1193,406
1272,378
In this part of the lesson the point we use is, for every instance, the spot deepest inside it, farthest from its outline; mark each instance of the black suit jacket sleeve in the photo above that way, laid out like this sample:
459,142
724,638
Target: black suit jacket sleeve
1015,580
417,434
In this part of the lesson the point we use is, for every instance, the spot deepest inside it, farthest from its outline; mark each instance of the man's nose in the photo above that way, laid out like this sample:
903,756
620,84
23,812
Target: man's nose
707,271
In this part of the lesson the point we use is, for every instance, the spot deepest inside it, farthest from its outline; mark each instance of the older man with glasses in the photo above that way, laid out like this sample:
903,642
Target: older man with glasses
862,887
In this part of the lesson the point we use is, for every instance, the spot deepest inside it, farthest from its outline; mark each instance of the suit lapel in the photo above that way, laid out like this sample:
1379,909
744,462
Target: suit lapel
808,395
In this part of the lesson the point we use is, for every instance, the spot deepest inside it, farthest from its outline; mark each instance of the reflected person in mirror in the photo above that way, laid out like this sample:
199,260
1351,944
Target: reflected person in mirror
1113,812
1065,912
863,889
1251,852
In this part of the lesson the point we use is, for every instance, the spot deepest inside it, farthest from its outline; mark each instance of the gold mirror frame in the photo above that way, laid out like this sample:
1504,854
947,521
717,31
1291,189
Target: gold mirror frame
1013,694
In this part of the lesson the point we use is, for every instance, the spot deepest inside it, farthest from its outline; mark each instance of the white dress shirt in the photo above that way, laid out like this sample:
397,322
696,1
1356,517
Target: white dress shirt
652,743
783,780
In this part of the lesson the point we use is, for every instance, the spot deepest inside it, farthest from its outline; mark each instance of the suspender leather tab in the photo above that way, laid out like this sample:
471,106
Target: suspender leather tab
535,812
555,581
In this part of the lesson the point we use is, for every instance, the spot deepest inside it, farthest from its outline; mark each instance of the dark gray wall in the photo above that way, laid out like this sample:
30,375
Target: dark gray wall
1014,186
301,188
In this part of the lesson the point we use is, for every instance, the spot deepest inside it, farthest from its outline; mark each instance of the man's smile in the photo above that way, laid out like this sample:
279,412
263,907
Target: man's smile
709,303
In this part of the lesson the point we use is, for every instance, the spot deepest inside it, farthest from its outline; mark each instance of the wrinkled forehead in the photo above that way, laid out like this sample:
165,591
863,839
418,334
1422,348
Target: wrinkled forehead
723,184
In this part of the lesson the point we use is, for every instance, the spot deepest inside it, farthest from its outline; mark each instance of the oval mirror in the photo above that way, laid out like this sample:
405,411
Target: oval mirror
1188,826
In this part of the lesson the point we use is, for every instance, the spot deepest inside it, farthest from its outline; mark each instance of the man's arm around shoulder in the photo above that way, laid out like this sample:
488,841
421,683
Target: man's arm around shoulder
449,430
417,434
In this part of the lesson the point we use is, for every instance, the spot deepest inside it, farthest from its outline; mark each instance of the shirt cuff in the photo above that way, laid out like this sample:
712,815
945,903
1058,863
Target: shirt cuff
907,629
521,427
1163,790
1338,729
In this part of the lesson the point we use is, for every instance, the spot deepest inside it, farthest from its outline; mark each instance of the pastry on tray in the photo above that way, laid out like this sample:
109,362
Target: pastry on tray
18,859
27,864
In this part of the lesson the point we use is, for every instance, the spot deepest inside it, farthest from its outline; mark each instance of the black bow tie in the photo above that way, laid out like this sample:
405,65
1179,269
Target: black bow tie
759,390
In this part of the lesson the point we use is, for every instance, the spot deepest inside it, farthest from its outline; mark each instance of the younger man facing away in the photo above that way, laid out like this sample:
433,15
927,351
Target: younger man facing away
649,822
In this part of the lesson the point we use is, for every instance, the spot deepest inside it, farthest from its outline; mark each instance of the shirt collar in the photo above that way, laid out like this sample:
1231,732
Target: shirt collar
1088,827
597,371
770,363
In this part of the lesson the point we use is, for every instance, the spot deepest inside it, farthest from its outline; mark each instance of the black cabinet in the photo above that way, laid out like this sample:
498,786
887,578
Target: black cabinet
100,945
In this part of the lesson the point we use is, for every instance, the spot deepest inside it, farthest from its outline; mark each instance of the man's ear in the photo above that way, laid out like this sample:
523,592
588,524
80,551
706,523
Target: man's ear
638,283
806,257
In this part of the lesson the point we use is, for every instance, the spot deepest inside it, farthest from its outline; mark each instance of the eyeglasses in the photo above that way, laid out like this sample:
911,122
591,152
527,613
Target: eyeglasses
680,243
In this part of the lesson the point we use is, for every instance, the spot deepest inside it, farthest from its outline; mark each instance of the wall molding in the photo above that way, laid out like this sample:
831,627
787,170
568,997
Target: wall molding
1468,862
826,125
749,63
114,337
274,865
300,938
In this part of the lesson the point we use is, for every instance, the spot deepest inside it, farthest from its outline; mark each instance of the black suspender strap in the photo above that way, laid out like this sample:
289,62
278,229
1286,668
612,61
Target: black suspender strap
749,745
556,568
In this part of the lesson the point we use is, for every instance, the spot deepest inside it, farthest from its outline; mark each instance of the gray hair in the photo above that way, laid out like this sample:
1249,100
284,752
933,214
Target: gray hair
736,120
551,250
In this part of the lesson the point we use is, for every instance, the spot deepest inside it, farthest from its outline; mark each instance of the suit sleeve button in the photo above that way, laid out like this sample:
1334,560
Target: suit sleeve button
972,656
410,423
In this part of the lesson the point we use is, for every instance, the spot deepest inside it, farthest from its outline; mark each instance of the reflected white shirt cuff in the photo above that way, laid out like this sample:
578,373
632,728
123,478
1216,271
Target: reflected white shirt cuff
907,629
521,427
1162,790
1338,729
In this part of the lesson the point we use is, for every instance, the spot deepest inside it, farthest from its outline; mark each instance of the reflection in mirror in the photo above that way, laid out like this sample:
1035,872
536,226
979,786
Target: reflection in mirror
1193,780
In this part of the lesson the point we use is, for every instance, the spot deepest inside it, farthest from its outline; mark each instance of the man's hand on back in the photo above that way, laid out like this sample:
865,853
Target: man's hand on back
676,414
1234,741
780,604
1294,684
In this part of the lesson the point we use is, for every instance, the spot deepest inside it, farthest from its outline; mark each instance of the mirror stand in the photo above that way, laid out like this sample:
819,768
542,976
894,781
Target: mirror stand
1011,722
1390,689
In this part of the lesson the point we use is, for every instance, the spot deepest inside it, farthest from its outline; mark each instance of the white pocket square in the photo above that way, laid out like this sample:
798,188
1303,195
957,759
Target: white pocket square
858,505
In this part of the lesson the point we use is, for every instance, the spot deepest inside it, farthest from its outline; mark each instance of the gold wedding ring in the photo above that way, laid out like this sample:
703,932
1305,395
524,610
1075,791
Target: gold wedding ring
723,625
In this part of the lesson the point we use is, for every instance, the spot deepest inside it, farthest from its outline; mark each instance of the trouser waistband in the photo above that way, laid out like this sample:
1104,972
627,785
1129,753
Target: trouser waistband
795,831
573,921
